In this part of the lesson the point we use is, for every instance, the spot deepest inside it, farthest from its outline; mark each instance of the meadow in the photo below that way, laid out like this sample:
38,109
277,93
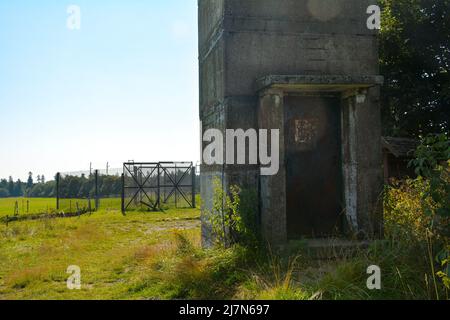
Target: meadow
112,251
35,205
158,255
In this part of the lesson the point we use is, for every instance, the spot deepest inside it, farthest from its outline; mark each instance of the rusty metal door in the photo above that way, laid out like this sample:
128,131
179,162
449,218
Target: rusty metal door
313,175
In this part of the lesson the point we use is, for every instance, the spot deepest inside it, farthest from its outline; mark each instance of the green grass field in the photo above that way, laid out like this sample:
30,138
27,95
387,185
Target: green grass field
35,205
157,255
48,205
112,251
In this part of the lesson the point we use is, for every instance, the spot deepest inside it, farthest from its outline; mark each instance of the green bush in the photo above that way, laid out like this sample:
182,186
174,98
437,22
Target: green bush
417,212
432,162
232,219
403,206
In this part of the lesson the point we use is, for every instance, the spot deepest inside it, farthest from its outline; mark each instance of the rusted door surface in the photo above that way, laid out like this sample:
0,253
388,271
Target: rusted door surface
313,193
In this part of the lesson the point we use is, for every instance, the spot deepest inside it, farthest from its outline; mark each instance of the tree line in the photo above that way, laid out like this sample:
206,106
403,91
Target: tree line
69,187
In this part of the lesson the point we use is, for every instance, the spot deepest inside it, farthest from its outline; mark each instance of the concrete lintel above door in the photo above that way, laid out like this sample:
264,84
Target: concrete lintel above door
318,83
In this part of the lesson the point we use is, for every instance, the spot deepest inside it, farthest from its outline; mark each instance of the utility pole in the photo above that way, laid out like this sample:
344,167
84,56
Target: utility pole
107,167
90,169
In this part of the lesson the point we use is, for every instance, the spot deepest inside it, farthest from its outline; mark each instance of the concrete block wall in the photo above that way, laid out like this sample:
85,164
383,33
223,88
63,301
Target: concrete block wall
241,41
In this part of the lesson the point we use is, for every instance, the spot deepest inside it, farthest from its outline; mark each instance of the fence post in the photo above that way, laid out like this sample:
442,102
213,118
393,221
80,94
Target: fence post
78,210
58,177
193,185
137,181
123,194
158,199
96,191
176,182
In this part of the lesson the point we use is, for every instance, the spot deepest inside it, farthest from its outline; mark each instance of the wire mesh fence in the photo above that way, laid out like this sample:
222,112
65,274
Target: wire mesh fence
135,186
88,191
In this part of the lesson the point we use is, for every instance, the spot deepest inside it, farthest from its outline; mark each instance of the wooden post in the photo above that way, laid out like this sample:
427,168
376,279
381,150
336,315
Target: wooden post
123,194
58,177
97,202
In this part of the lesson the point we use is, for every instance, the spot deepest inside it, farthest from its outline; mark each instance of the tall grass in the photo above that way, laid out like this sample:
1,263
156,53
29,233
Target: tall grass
159,256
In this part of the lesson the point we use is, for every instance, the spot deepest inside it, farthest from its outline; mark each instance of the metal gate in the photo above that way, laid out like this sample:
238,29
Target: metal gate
158,185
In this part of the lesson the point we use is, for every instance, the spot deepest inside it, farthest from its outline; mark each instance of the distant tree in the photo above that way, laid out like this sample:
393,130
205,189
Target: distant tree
4,193
38,191
87,186
18,189
107,185
70,187
43,190
30,180
11,186
50,189
38,178
4,183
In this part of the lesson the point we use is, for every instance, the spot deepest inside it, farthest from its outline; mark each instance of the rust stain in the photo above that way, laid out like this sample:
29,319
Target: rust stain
305,130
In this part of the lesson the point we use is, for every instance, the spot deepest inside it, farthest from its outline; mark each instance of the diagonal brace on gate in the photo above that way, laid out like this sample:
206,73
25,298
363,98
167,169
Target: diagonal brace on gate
141,188
143,183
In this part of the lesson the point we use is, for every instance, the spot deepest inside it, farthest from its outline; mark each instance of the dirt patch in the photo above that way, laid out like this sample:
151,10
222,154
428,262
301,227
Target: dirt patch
174,224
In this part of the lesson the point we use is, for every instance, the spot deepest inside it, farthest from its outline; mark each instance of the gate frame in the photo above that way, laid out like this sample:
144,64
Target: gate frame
160,168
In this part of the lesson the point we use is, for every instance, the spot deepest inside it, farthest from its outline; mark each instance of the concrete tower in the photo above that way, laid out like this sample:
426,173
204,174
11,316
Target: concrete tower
310,69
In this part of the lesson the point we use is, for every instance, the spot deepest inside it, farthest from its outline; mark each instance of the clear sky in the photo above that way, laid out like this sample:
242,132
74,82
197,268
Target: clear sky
124,87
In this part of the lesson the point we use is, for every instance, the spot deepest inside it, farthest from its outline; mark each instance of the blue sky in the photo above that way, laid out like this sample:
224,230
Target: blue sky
123,87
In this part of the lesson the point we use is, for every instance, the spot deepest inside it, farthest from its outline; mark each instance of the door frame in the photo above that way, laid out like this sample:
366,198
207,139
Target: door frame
357,94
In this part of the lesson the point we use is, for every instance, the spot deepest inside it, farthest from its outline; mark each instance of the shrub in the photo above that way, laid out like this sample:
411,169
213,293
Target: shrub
432,162
417,212
231,218
403,207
